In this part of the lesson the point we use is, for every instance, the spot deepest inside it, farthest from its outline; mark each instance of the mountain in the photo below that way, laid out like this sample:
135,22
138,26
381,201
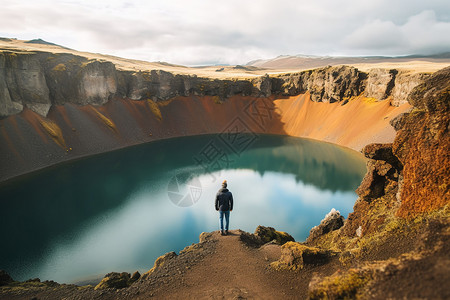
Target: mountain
311,61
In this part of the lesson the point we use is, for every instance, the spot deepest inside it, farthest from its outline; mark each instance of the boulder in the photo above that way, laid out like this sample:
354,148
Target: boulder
250,239
294,256
5,278
114,280
332,221
135,277
268,234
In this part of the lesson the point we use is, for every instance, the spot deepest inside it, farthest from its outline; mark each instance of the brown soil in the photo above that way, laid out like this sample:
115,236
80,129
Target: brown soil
224,267
221,268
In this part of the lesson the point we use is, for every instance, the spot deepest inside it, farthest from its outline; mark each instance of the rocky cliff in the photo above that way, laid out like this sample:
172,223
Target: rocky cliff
397,238
38,80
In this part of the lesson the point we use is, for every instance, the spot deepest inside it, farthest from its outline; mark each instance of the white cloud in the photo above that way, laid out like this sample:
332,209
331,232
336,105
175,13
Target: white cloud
420,34
234,31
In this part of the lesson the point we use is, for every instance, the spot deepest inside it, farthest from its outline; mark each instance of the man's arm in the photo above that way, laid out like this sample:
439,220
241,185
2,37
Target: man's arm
231,201
217,202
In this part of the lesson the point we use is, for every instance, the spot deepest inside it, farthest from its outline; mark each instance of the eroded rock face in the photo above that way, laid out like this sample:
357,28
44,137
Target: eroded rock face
378,188
22,82
328,84
410,176
404,83
380,83
40,80
422,145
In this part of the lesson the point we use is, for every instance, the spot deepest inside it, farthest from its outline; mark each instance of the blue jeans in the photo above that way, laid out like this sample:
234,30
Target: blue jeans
227,219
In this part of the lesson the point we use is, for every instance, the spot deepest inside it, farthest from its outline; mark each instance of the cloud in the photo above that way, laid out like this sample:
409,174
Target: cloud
420,34
234,31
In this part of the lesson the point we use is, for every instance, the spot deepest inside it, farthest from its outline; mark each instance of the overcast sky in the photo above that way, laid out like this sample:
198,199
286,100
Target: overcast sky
195,32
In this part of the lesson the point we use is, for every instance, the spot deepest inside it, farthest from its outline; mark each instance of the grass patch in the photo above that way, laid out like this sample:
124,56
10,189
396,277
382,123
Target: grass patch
343,286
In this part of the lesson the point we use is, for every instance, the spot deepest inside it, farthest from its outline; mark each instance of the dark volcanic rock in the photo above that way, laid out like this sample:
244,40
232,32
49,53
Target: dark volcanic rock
136,275
5,278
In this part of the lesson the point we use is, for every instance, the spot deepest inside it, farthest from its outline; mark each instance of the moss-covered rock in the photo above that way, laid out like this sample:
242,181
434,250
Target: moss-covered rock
339,286
268,234
295,255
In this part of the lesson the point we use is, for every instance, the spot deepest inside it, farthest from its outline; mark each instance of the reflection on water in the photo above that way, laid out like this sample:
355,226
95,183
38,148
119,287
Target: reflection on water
117,212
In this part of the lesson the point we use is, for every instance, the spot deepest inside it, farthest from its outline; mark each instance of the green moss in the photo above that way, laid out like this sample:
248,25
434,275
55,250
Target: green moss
293,255
344,286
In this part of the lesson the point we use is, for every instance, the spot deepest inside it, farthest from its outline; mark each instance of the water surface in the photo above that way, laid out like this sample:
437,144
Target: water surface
119,211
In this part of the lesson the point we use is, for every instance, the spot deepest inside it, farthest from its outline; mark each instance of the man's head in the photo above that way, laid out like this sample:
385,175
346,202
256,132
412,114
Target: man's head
224,184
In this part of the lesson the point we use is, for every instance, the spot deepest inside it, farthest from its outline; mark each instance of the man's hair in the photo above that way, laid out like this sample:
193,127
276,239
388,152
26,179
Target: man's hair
224,183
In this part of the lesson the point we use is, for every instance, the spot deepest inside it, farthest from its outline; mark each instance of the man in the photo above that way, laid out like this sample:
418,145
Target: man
224,204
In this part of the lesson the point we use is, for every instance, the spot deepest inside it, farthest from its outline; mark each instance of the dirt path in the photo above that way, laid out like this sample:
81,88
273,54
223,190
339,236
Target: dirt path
236,271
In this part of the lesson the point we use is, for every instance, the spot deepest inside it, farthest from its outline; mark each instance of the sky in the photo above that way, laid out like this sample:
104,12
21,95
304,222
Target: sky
208,32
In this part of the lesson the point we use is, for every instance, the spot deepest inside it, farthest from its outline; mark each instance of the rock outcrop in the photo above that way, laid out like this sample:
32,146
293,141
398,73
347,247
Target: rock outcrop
401,217
268,234
422,146
116,280
294,256
332,221
410,176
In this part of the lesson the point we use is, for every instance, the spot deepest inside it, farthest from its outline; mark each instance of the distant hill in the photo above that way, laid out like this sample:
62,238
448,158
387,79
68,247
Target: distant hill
310,61
42,42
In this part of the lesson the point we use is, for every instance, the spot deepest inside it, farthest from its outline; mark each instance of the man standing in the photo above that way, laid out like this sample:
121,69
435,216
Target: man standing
224,204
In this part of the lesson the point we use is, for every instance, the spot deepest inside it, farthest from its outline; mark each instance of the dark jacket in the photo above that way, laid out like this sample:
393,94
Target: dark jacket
224,200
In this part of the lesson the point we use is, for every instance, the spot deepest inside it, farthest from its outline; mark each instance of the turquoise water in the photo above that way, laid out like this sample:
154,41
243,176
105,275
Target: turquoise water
119,211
